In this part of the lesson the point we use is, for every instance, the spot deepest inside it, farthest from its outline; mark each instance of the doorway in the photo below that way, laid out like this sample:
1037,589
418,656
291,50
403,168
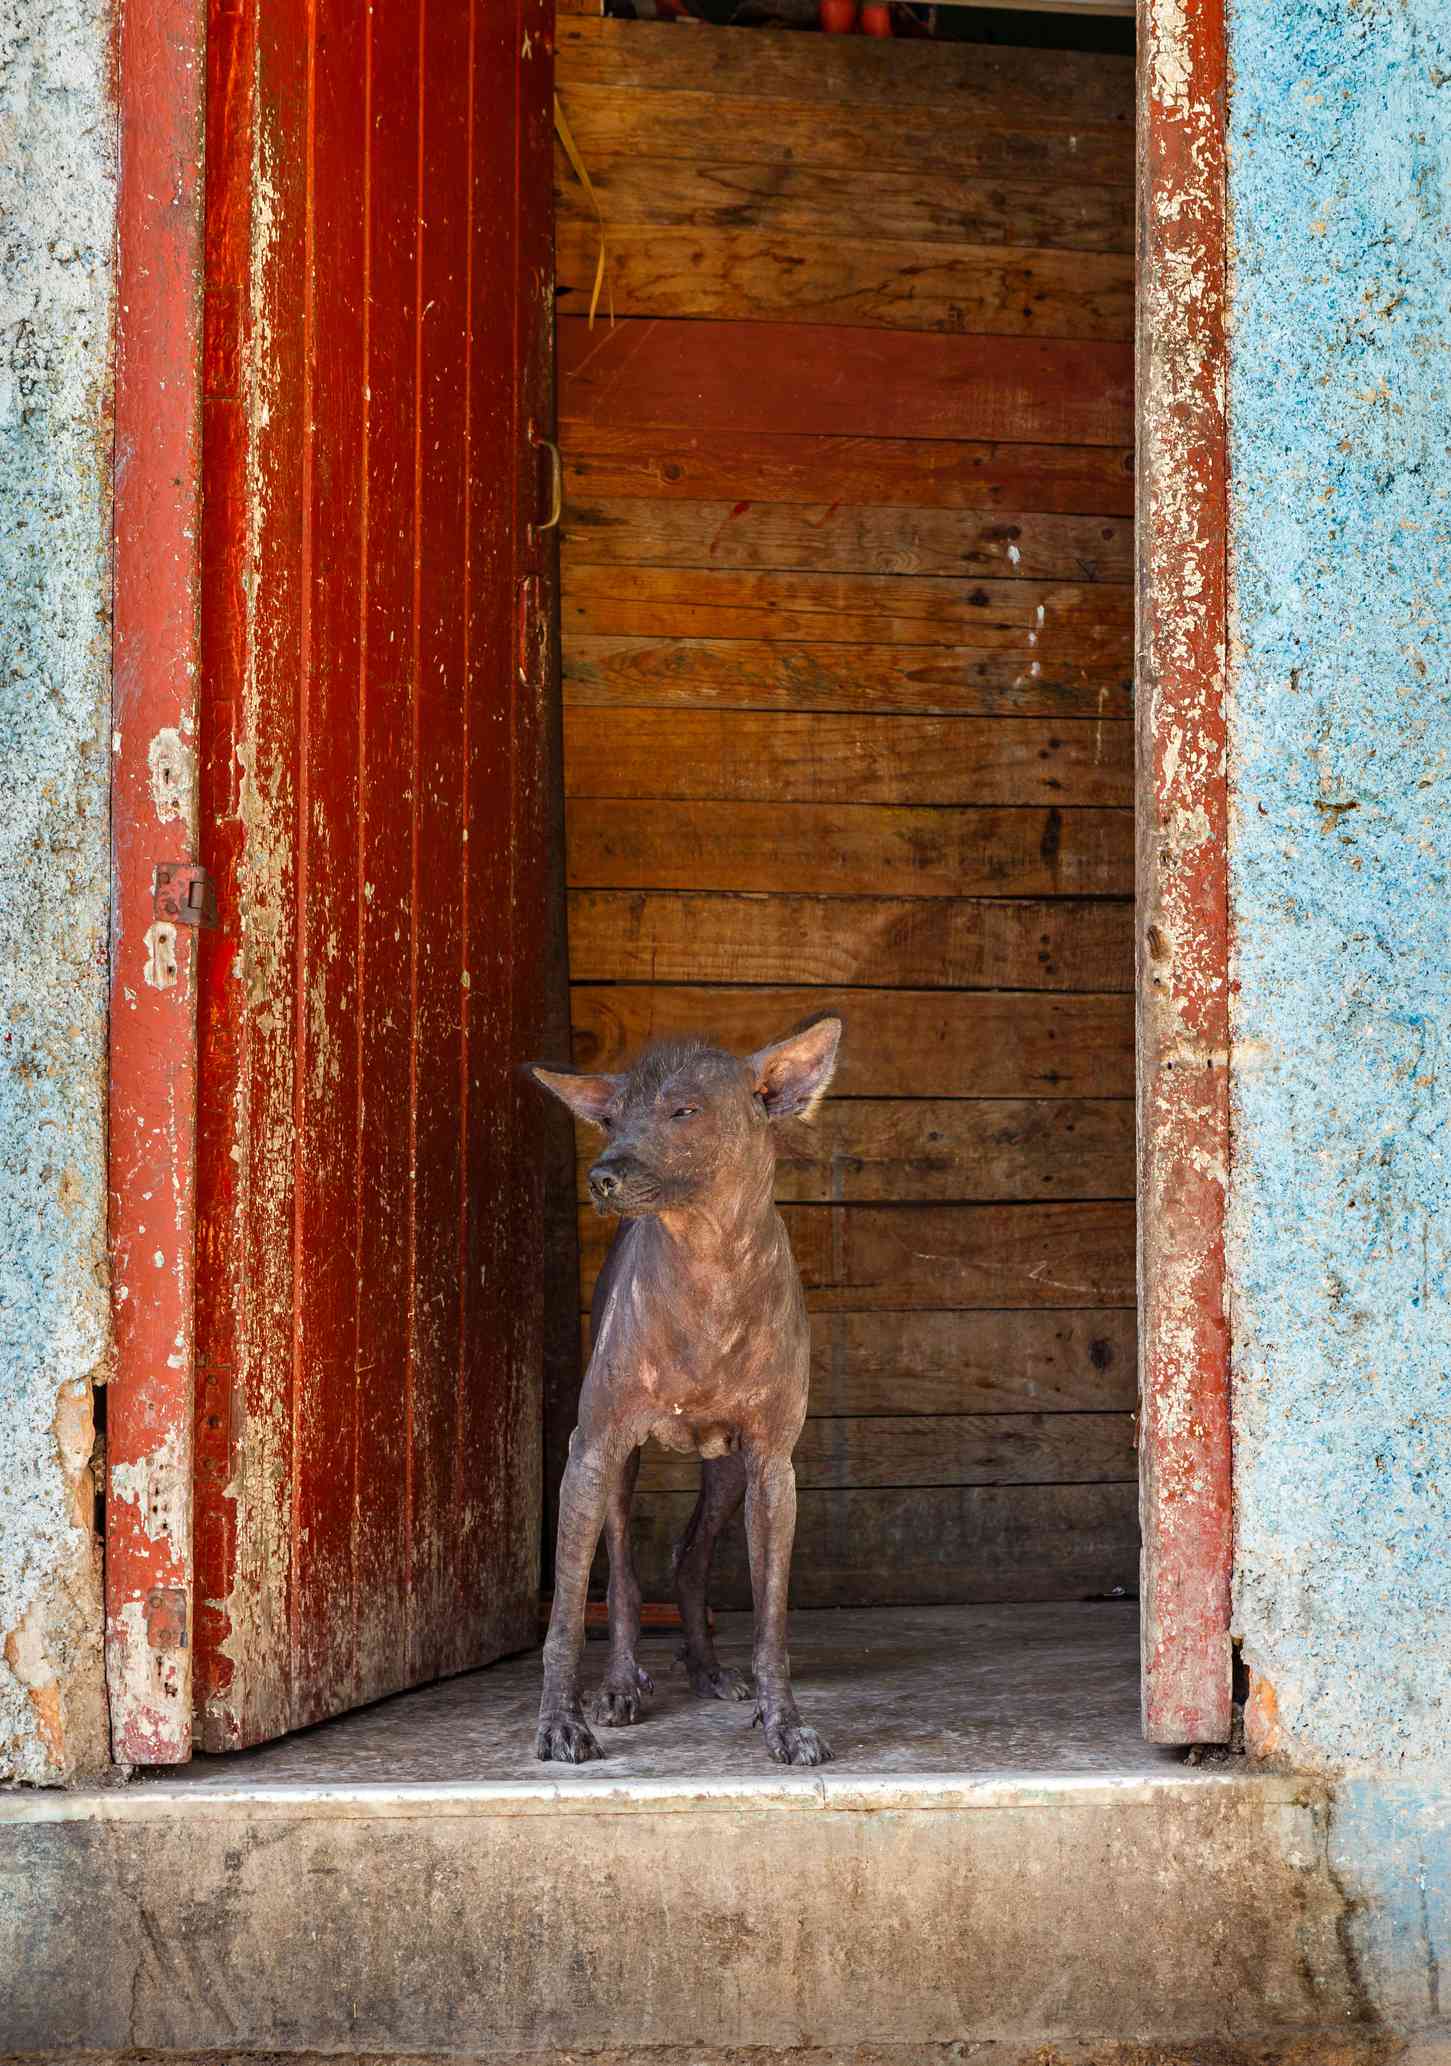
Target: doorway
939,810
847,638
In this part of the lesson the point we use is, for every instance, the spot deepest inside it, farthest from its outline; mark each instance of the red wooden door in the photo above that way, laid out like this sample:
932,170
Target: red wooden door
377,776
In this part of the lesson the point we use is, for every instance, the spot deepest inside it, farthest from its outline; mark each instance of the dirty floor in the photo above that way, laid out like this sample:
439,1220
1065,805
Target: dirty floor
985,1691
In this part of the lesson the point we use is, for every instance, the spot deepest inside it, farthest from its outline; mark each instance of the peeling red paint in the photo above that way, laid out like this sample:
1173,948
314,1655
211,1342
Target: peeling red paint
1183,945
378,554
153,962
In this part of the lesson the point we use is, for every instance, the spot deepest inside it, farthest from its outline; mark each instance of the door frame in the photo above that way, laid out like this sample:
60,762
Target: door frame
1182,931
156,573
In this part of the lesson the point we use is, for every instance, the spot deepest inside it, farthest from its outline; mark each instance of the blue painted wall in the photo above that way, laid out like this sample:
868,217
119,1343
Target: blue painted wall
57,202
1340,403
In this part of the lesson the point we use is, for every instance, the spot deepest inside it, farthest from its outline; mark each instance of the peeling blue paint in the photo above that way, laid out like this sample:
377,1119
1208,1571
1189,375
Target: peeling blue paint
1340,1252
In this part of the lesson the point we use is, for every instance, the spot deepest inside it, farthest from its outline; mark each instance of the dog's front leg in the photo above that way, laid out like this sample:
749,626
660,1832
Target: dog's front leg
563,1733
626,1681
770,1532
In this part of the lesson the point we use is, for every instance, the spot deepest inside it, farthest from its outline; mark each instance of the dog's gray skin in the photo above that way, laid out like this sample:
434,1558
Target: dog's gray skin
700,1339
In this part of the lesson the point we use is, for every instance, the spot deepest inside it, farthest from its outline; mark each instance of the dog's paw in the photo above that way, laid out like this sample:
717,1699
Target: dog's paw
796,1743
616,1706
724,1683
565,1739
716,1681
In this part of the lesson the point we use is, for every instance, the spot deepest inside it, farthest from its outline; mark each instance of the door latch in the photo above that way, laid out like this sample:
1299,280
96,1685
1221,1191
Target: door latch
184,893
556,480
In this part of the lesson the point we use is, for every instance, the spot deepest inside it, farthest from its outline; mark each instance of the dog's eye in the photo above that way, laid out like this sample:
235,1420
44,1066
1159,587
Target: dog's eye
685,1112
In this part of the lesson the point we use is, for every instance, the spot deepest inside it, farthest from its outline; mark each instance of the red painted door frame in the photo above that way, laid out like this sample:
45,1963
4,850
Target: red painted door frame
1183,928
156,625
1182,899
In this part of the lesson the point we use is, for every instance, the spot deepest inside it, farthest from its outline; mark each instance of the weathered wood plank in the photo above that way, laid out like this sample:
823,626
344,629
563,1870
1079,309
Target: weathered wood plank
936,1450
738,191
949,943
922,1546
1042,88
985,1362
1074,620
1009,1362
899,1043
794,376
931,1258
939,1256
880,1150
824,538
870,1150
743,757
763,276
943,142
766,674
846,849
782,466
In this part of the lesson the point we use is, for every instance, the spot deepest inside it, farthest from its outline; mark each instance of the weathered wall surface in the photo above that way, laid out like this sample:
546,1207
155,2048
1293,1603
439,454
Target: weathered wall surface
1340,138
57,148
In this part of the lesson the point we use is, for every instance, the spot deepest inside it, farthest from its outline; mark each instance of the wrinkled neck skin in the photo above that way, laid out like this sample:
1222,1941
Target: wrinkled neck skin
724,1228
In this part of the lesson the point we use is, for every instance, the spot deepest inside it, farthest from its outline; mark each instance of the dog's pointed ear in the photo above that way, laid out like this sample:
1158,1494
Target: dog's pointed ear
588,1097
792,1075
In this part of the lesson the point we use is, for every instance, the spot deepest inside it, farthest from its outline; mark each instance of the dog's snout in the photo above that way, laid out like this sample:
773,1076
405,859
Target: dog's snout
603,1181
619,1183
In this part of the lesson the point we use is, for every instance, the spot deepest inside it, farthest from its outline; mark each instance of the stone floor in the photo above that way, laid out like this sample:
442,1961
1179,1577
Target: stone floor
979,1692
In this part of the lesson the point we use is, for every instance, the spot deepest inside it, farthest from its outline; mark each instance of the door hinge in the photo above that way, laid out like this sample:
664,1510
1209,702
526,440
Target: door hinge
164,1612
184,893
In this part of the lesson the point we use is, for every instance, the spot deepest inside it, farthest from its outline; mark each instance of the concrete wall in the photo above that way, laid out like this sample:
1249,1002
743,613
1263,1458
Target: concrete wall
1340,402
57,149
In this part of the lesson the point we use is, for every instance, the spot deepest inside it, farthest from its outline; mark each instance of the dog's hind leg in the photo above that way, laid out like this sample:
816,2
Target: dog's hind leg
722,1488
618,1699
770,1528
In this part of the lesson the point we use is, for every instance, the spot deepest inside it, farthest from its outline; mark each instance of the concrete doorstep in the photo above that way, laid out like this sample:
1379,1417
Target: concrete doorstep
1126,1909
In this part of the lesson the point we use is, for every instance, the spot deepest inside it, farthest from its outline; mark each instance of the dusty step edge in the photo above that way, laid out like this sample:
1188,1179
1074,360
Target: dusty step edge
174,1800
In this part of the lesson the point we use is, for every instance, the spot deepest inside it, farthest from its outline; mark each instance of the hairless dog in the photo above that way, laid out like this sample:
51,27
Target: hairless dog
699,1339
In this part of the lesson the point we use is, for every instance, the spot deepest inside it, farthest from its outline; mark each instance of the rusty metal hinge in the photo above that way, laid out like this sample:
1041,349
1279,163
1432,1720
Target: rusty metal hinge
184,893
164,1612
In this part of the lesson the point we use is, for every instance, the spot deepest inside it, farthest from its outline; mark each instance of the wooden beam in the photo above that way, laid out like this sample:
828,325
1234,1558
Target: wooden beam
927,943
895,1546
848,849
899,1043
153,1076
794,376
1183,916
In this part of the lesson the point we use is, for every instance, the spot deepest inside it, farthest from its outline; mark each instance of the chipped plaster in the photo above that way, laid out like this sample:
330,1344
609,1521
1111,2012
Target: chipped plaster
1340,1236
57,147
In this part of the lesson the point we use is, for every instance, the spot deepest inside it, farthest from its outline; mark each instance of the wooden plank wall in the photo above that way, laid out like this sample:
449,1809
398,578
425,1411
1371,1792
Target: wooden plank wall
847,602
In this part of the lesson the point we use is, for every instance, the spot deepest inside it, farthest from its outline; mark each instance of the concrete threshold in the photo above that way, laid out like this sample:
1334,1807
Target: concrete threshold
408,1881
